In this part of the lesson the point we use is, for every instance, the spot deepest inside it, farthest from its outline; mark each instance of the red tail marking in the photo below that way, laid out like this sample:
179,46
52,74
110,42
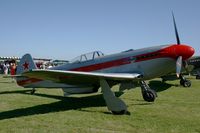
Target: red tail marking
26,65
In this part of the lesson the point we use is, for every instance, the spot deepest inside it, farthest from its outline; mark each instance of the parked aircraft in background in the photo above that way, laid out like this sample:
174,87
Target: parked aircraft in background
90,71
192,67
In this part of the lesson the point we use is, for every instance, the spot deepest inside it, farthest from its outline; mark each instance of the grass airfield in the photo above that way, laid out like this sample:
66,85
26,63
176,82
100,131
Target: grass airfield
176,110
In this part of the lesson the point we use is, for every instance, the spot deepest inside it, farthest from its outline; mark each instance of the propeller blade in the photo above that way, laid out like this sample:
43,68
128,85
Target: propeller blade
178,66
176,31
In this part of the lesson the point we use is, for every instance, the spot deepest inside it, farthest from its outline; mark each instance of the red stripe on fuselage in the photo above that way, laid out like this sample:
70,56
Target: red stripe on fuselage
103,65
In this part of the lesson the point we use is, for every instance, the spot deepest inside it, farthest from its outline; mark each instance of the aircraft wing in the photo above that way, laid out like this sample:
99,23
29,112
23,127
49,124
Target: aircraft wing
76,77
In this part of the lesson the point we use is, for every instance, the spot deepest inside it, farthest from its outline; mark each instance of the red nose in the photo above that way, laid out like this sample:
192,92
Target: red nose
183,50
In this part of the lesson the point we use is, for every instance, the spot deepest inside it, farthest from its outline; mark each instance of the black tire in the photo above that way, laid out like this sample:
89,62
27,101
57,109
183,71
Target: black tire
149,95
187,83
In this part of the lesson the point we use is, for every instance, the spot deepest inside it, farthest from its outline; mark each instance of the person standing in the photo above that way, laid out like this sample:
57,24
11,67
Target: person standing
5,68
12,70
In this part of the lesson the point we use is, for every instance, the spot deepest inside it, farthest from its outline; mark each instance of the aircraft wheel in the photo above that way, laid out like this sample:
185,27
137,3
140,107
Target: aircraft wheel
119,112
187,83
149,95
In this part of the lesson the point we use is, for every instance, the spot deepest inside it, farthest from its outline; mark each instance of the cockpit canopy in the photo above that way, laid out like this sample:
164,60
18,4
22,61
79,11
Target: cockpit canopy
87,57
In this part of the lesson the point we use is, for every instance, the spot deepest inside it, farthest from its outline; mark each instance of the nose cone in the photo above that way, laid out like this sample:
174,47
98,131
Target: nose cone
185,51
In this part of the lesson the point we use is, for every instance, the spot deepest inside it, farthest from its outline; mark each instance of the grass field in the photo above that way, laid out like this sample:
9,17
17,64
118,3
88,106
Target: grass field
176,110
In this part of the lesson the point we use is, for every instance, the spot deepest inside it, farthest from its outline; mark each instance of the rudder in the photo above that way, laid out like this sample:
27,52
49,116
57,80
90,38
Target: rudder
26,63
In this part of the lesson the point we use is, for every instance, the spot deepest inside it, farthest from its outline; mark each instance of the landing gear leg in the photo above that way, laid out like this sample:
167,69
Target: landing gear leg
148,94
114,104
33,91
184,82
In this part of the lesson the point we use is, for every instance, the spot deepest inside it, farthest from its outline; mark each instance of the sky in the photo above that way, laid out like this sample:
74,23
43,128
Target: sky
64,29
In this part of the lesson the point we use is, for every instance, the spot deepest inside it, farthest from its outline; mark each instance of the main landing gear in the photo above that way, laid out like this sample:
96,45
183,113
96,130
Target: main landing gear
148,94
114,104
184,82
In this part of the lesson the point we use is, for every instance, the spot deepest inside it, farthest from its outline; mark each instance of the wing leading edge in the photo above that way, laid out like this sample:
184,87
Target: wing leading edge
76,77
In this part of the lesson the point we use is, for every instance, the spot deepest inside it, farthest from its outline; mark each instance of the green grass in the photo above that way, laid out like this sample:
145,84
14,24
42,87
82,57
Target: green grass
176,110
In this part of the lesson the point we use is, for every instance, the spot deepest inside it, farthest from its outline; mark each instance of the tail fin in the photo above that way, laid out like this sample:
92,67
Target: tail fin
26,63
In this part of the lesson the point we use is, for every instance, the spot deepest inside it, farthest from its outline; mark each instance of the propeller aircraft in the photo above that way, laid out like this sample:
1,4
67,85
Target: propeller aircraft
193,66
90,71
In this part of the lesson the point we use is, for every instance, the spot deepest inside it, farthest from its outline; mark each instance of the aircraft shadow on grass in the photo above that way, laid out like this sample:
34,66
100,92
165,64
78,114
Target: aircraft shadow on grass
65,103
160,86
68,103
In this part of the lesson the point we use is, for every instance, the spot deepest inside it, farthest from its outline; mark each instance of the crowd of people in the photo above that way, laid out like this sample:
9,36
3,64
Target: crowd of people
8,67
